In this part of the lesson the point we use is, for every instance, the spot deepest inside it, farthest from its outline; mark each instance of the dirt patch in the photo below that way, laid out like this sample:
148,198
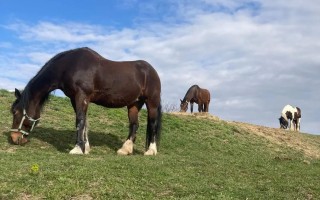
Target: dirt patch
24,196
197,115
299,141
82,197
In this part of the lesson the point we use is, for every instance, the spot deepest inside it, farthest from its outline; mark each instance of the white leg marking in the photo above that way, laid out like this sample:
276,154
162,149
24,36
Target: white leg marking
126,149
76,150
87,145
152,150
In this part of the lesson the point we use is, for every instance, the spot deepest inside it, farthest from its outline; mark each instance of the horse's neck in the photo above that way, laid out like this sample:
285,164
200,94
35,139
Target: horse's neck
36,99
190,95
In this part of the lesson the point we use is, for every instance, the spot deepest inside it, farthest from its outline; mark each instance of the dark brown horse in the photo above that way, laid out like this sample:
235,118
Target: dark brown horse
195,94
85,76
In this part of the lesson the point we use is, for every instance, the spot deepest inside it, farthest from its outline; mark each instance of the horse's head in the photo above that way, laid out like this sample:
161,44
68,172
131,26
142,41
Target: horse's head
283,123
183,106
22,124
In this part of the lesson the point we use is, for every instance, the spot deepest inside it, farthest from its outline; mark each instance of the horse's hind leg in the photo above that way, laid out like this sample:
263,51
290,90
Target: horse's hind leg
206,107
200,107
133,111
153,129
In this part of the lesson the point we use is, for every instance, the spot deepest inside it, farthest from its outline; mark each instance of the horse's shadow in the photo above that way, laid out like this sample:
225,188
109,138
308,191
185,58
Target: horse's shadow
64,140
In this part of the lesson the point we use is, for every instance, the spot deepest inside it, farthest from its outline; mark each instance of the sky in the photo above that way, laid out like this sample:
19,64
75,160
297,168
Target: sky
254,56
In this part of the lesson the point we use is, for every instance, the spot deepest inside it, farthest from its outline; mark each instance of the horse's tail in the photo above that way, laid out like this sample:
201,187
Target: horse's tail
159,124
299,112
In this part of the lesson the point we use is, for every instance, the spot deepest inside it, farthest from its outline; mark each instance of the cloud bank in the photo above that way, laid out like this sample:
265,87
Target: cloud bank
254,56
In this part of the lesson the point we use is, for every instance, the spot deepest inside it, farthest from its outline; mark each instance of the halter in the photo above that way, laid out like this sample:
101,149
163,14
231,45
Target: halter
25,116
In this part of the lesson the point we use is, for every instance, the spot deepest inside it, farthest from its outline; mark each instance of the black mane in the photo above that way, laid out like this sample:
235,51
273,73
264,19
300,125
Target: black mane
24,100
190,91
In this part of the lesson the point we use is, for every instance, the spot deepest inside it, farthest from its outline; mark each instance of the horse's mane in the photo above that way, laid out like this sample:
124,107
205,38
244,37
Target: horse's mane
45,66
190,90
193,87
26,93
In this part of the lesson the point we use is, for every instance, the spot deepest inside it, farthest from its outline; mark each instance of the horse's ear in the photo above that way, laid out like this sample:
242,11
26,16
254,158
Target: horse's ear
17,93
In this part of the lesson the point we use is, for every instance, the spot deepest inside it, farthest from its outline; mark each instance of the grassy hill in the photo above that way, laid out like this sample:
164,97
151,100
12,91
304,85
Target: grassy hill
200,157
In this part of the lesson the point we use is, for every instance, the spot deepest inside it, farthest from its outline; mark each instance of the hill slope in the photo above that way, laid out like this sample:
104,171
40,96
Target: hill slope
200,157
306,143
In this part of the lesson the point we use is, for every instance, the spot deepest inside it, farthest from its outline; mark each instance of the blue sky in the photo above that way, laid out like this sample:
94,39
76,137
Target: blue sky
255,56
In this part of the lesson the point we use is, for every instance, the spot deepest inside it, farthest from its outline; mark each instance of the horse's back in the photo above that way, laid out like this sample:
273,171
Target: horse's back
288,108
106,82
295,112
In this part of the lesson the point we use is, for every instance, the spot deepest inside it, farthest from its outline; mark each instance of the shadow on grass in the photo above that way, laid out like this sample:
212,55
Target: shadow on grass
64,140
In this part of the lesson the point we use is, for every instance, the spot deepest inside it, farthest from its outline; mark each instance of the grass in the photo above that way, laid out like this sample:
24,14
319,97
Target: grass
198,158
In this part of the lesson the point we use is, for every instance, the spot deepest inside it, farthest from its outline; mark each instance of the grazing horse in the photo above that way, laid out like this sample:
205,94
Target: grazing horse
293,114
195,94
85,76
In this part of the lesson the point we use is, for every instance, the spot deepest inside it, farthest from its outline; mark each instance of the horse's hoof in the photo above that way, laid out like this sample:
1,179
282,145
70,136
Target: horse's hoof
126,149
122,152
76,150
150,152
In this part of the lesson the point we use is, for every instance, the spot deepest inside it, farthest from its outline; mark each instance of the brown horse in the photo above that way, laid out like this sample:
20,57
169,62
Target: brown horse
195,94
85,76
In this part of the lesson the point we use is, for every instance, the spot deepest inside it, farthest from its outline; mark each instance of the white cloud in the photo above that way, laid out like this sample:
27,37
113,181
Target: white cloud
51,32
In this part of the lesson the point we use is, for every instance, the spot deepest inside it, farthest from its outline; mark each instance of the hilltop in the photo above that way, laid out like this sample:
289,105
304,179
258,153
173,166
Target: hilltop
200,157
306,143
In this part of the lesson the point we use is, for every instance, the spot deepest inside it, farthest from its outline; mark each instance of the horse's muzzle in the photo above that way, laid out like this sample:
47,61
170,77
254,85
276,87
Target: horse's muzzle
283,126
18,139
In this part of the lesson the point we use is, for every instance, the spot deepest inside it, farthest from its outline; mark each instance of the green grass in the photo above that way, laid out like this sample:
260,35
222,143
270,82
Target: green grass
197,159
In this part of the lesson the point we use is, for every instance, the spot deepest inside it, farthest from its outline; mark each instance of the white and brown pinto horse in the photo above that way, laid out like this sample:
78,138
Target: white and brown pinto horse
195,94
293,114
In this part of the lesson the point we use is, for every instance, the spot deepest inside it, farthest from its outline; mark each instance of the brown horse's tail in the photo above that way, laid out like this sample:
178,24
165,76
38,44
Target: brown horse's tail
159,124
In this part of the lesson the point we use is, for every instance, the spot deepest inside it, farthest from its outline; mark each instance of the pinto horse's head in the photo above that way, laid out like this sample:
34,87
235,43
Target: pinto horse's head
183,106
283,123
22,124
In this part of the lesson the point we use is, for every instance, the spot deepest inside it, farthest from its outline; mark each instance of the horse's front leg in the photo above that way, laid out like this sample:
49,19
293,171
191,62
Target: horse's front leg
291,125
127,147
191,107
200,107
82,143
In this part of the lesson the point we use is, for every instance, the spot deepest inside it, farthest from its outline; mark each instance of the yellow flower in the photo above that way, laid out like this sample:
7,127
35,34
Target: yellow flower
35,168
